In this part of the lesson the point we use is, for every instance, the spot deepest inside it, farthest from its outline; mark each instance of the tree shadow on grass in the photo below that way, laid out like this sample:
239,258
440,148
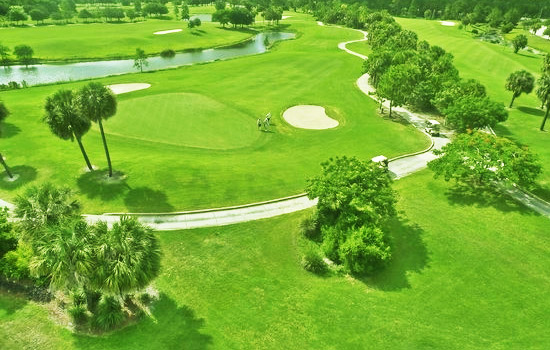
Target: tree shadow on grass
409,254
532,111
23,173
95,184
10,303
145,199
484,197
170,327
9,130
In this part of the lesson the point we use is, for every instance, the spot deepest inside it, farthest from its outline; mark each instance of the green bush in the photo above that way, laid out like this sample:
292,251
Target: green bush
92,300
332,237
309,227
15,264
168,53
78,314
313,261
365,251
109,314
507,28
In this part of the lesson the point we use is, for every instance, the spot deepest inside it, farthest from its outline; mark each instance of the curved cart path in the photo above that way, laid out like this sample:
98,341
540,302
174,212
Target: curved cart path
399,167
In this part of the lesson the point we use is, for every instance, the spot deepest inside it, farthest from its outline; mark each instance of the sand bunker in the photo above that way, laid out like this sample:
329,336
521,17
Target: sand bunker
447,23
285,17
118,89
309,117
162,32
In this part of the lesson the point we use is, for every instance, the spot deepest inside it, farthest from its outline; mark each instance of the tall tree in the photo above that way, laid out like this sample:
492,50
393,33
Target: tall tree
397,84
4,112
140,59
471,112
65,120
519,42
97,103
520,82
543,92
4,55
24,54
184,11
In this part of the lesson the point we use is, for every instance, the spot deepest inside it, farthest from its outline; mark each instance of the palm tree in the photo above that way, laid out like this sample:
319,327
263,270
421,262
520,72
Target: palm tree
64,254
4,112
128,257
96,103
46,205
543,92
519,82
64,120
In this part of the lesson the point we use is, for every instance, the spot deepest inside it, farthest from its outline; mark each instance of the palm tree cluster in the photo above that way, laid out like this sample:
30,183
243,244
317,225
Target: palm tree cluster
101,268
70,115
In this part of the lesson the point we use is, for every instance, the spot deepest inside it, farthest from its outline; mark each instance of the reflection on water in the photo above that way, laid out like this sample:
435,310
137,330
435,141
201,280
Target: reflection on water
51,73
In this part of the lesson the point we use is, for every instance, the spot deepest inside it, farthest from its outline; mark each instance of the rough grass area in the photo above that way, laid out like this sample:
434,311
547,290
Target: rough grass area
469,272
492,64
165,177
117,40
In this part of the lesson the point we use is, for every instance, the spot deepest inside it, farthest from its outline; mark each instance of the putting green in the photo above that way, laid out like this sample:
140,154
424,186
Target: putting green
184,119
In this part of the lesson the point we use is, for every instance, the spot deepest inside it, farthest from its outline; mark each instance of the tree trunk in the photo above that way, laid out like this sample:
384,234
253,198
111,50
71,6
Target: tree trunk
106,149
544,120
8,171
513,98
84,153
391,103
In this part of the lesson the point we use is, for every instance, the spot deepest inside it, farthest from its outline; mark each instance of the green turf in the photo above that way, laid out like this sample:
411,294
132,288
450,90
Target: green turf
360,47
468,273
492,64
184,120
116,40
166,177
534,41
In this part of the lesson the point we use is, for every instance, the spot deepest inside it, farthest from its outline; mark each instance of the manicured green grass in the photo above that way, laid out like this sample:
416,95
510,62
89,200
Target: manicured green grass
492,64
360,47
468,273
184,120
116,40
166,177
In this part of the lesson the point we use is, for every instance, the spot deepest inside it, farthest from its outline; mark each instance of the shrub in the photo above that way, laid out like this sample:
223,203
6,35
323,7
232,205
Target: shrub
168,53
313,261
15,264
365,251
109,314
145,298
78,314
475,31
332,237
507,28
309,227
92,300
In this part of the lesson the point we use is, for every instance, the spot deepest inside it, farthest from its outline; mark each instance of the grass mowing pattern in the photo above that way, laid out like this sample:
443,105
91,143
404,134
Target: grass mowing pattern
492,64
185,120
117,40
469,272
164,177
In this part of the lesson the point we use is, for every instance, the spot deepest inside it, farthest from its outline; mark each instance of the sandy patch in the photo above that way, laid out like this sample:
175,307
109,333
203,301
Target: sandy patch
447,23
540,32
162,32
309,117
285,17
118,89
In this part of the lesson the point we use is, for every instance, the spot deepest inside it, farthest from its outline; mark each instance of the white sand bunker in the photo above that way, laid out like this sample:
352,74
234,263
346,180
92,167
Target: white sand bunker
309,117
447,23
118,89
162,32
285,17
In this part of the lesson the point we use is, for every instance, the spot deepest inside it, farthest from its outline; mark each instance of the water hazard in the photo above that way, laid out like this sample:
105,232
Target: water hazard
51,73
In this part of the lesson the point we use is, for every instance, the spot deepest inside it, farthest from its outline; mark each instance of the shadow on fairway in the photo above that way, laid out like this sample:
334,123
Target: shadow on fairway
26,174
170,327
409,254
94,184
532,111
142,199
9,130
483,197
10,303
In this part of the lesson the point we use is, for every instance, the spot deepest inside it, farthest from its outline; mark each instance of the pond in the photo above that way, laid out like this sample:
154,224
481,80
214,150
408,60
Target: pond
51,73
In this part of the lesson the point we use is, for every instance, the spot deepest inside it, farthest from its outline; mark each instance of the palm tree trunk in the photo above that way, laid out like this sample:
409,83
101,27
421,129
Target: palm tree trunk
391,103
513,98
106,149
8,171
544,120
84,153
